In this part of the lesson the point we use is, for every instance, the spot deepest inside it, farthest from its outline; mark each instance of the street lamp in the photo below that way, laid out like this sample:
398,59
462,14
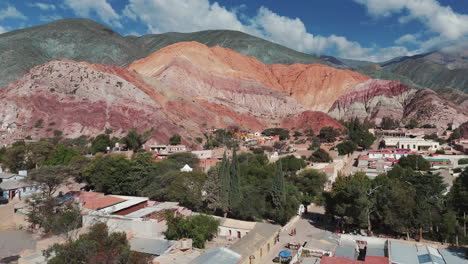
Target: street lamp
251,258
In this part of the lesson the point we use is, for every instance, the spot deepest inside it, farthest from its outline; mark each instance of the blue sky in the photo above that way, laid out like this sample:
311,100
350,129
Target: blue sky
374,30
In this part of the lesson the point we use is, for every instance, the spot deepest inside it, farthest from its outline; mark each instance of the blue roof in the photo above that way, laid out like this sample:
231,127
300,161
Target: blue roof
401,253
150,246
453,256
346,251
216,256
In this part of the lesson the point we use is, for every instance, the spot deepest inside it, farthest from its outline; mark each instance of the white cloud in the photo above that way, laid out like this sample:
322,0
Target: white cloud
11,12
408,38
437,18
48,18
100,8
182,15
2,30
43,6
195,15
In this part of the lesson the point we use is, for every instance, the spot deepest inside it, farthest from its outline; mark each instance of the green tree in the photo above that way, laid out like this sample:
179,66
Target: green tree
98,245
199,228
328,134
458,195
225,179
39,123
110,175
49,177
62,156
283,133
278,188
349,199
187,188
100,143
412,123
389,123
311,183
346,147
183,158
359,134
320,155
235,195
450,228
47,214
175,140
134,141
291,164
415,162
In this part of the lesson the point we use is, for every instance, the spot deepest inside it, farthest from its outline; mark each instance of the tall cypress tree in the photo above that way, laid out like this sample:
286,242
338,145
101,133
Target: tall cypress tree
234,191
225,179
278,192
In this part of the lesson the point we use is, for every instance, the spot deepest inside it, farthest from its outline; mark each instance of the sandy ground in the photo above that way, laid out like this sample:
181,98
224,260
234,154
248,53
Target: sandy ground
12,242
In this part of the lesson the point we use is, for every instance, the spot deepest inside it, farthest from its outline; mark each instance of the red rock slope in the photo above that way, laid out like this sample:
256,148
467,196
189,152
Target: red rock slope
84,99
375,99
197,69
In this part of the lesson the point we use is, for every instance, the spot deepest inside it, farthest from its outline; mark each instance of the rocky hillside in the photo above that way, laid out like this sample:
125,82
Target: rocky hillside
86,40
79,100
85,99
315,86
375,99
445,68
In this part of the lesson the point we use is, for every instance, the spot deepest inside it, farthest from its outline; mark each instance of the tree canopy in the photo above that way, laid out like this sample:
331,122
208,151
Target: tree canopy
320,155
98,245
283,133
414,162
199,228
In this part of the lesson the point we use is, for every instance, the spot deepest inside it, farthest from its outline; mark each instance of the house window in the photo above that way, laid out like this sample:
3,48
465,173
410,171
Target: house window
230,232
268,247
414,146
261,252
238,234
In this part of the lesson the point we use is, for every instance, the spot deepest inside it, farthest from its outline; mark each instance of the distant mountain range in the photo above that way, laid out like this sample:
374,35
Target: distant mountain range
86,40
81,77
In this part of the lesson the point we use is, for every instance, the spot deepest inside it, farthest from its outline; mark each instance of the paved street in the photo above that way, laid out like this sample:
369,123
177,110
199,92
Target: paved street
307,231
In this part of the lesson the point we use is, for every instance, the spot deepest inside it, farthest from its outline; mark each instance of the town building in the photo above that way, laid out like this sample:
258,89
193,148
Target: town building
415,144
217,255
232,229
254,246
167,149
461,145
14,186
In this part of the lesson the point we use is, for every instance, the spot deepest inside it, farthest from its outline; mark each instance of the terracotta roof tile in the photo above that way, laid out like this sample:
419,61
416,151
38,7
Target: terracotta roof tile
102,202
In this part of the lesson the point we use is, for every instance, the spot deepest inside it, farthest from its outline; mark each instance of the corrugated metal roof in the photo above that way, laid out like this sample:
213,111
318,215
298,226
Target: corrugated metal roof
150,246
15,184
402,253
453,256
429,255
151,209
216,256
123,205
102,202
4,175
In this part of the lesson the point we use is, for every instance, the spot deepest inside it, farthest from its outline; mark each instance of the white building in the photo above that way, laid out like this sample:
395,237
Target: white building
186,168
415,144
14,186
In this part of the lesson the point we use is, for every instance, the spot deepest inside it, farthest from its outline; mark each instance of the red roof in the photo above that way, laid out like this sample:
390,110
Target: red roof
376,260
369,260
363,157
102,202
